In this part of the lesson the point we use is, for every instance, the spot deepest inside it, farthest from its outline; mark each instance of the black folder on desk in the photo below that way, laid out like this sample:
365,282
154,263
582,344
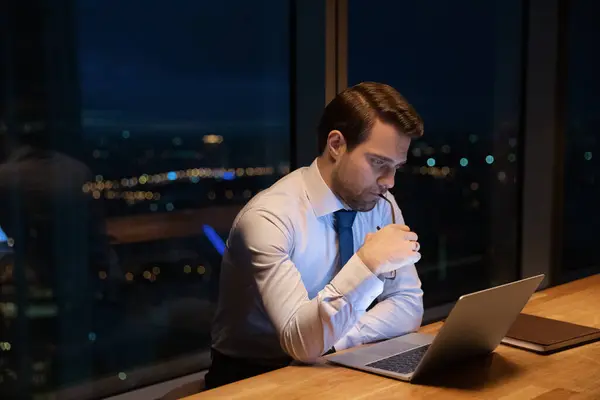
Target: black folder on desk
545,335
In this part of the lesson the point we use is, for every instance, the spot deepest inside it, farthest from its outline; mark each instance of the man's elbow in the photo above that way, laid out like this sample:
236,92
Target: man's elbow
416,322
414,308
417,319
300,348
305,357
302,353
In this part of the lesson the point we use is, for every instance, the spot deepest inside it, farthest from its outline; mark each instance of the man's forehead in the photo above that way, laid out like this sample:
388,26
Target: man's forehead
386,135
393,146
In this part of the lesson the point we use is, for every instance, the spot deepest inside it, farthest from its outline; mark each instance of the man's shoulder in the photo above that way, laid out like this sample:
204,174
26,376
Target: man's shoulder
283,200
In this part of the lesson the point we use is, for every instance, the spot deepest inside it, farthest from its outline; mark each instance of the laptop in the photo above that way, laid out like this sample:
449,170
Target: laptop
475,327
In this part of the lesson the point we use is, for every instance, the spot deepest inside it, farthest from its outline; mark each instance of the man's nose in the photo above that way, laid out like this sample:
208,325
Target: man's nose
387,180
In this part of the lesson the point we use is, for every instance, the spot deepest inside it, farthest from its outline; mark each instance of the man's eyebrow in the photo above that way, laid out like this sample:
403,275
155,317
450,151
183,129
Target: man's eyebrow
386,159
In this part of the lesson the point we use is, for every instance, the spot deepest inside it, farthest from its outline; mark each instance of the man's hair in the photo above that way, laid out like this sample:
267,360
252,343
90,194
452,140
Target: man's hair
355,110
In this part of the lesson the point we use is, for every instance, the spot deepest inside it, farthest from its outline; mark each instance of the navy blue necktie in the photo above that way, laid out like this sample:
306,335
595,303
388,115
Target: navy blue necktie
343,225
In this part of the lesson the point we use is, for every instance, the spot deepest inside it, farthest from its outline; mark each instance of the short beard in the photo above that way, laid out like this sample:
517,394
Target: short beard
351,200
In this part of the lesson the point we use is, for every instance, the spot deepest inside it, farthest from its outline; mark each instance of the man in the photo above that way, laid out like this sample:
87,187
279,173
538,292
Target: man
292,286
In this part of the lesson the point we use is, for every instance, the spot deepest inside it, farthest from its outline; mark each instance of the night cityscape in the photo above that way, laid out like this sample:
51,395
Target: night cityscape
133,211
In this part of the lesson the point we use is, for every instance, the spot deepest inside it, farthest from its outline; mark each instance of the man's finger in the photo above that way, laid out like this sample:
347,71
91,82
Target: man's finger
402,227
411,236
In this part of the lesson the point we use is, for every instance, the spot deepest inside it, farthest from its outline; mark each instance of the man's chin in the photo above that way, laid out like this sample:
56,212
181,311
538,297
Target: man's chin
365,206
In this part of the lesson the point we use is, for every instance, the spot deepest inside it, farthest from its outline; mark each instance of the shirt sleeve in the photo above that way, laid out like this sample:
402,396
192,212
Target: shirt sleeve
261,243
399,310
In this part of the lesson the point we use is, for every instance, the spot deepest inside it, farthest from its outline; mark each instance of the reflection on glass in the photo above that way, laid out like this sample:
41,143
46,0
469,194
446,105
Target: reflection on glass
459,64
126,155
582,144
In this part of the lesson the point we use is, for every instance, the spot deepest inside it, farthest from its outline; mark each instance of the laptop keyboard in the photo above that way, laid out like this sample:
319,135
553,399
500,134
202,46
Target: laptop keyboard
403,363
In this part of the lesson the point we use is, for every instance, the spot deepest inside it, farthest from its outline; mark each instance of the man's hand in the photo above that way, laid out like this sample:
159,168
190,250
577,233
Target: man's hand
393,247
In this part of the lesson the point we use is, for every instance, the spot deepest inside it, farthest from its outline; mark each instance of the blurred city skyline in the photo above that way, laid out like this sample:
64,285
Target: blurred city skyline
181,114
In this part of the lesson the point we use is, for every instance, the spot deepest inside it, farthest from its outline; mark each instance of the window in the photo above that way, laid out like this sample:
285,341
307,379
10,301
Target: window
135,132
459,64
582,143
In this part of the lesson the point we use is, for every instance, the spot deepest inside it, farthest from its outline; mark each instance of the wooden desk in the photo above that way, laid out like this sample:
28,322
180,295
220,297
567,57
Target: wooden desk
508,373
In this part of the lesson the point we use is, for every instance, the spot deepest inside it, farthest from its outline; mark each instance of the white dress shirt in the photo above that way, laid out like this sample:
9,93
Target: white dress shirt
281,289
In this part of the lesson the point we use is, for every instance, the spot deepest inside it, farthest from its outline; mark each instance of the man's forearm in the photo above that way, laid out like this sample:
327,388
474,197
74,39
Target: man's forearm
394,316
316,325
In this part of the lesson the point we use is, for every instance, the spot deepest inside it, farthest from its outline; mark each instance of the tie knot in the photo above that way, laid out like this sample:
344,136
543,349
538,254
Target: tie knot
344,218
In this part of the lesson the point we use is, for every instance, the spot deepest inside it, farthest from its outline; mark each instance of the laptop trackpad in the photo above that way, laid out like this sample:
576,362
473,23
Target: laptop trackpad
368,354
400,344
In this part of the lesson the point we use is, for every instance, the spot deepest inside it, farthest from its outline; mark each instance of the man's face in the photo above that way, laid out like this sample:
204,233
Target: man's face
361,175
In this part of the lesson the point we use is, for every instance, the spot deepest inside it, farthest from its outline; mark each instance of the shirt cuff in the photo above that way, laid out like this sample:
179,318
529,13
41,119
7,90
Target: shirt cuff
351,339
357,283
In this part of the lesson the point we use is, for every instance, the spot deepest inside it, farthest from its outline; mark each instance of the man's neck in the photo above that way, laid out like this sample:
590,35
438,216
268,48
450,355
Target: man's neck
325,169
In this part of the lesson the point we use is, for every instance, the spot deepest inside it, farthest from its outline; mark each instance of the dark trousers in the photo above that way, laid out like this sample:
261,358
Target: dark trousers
225,369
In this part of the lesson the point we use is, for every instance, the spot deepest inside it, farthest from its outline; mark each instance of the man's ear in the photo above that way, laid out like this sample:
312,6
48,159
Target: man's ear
336,144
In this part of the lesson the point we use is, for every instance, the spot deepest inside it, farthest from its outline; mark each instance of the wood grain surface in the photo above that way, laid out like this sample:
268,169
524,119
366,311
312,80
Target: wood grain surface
508,373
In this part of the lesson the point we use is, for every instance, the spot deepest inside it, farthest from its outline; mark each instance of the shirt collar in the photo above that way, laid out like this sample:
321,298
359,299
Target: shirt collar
322,199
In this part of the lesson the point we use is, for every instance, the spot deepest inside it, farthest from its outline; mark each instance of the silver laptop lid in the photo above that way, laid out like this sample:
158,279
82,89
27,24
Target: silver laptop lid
478,322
